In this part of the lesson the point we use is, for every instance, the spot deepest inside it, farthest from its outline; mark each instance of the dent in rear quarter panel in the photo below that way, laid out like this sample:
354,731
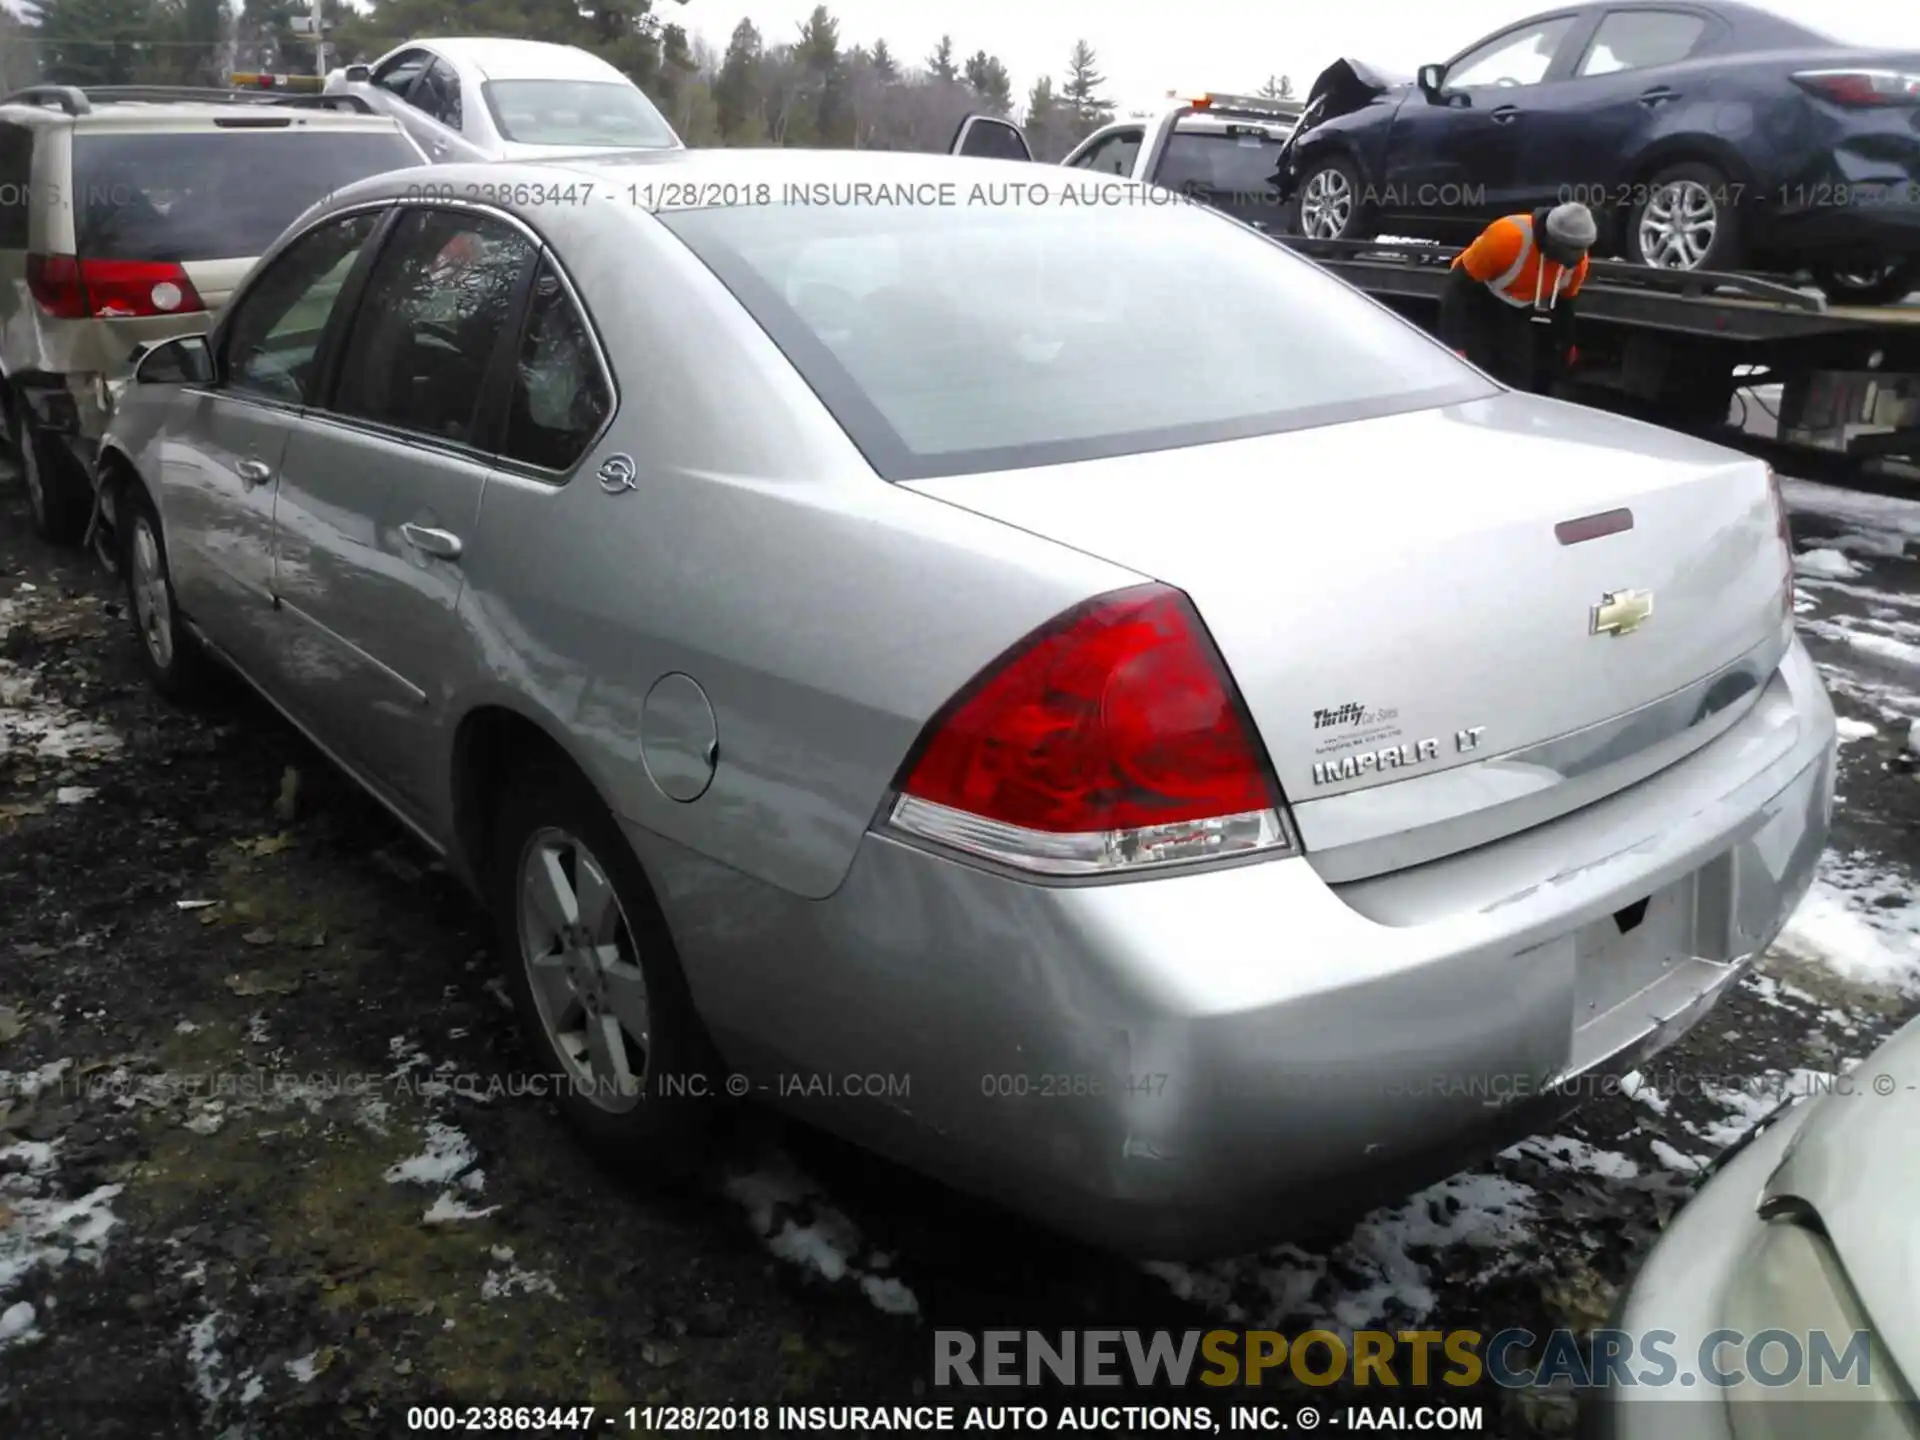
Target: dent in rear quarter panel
826,614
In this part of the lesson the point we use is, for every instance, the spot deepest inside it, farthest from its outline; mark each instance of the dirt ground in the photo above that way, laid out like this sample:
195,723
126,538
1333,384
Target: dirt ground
259,1176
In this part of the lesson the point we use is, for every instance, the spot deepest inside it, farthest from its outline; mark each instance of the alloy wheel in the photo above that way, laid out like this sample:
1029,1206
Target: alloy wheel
1326,205
152,600
583,970
1678,226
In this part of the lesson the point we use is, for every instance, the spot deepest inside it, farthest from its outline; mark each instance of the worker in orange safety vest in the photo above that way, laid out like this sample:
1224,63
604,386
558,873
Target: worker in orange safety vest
1510,302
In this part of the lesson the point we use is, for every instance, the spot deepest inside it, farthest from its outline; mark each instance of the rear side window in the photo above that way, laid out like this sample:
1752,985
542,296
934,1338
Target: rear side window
214,194
586,113
436,306
560,397
968,337
16,185
1234,172
1641,39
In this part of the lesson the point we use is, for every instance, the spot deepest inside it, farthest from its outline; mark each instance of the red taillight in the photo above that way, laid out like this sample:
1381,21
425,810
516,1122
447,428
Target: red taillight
69,289
1862,87
1108,740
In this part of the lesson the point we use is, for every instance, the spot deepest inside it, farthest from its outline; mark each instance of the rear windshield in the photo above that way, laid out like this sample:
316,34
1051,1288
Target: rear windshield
576,112
213,195
1235,172
971,336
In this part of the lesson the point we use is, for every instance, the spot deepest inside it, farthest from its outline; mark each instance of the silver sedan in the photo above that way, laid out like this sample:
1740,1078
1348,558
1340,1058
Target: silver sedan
1050,684
466,99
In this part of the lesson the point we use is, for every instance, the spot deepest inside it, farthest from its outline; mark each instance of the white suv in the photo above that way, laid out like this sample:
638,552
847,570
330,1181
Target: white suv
127,215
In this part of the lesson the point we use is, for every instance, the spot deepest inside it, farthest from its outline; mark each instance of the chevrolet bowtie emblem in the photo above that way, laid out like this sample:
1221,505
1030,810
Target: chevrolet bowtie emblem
1621,612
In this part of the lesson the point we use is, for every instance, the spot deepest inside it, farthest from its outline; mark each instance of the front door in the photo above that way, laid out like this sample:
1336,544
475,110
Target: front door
382,482
227,439
1454,158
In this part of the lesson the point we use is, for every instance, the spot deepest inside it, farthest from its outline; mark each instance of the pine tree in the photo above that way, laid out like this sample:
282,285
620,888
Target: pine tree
1081,92
884,65
736,89
940,63
990,82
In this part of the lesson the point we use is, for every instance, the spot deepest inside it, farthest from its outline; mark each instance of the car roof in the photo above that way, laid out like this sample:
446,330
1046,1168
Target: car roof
119,114
503,59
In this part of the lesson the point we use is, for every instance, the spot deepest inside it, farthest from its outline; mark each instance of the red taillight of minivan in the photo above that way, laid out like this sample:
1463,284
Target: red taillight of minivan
1108,741
70,289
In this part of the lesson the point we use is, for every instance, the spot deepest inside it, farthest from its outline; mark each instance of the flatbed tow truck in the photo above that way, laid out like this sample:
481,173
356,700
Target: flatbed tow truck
1692,350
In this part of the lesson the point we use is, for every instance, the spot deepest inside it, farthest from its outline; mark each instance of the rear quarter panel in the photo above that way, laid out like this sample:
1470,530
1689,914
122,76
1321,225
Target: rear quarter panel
826,614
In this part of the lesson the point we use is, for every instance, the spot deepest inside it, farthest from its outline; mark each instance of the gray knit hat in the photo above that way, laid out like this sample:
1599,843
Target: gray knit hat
1572,225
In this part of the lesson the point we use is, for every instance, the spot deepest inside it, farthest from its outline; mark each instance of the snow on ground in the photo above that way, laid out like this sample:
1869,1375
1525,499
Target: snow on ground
1888,516
1848,631
1860,921
1885,599
514,1279
1567,1152
1373,1272
44,1225
1826,565
802,1227
1855,729
33,723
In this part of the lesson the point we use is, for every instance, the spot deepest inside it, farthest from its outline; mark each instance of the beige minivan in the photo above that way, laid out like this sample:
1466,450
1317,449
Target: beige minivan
127,215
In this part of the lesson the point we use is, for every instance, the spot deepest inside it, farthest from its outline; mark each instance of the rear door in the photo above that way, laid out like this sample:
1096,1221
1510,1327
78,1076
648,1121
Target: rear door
381,485
1234,170
1588,125
220,462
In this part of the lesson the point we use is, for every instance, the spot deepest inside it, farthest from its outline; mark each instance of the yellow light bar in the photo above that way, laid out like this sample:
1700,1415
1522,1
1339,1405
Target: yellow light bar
309,83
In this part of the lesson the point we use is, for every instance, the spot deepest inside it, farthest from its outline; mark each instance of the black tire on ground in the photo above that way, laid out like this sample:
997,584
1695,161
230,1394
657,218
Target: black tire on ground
551,820
1887,285
173,659
1330,202
57,486
1684,195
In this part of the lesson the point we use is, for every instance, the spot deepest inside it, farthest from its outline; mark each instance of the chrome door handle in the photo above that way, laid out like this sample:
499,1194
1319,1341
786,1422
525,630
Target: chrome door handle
1658,96
437,543
254,472
1506,114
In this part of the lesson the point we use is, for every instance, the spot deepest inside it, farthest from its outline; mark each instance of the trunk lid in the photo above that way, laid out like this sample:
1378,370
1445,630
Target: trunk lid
1379,589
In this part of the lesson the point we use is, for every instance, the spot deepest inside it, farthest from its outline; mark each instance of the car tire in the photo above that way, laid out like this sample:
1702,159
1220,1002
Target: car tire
1677,209
1885,286
617,971
57,487
170,654
1329,203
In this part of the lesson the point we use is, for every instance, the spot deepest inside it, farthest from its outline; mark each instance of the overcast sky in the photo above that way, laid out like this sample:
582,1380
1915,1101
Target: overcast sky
1145,50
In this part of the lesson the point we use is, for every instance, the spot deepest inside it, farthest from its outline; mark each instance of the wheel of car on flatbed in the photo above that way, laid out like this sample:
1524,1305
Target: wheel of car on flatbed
57,488
1330,203
1685,218
1886,285
173,659
595,979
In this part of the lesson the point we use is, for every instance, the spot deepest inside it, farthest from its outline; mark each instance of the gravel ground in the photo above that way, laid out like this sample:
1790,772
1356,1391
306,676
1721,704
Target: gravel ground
257,1176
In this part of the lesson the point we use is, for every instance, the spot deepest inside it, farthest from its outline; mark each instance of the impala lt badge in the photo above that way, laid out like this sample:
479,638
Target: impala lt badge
1621,612
616,474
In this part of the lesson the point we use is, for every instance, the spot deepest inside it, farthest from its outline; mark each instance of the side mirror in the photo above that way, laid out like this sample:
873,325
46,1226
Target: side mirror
1433,79
184,360
357,74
